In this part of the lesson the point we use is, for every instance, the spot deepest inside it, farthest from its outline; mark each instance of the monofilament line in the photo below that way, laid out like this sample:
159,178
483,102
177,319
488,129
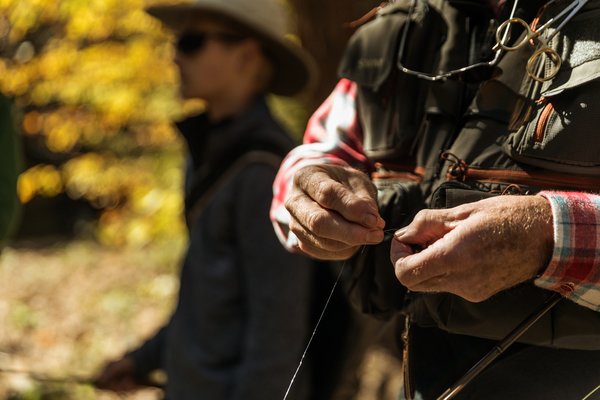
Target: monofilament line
287,392
589,395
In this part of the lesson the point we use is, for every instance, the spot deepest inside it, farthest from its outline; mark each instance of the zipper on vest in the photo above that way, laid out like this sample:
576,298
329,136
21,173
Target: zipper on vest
542,122
459,170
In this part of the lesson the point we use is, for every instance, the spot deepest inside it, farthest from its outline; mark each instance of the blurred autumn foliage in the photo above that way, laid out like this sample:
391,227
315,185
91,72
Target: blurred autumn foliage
96,87
96,93
96,90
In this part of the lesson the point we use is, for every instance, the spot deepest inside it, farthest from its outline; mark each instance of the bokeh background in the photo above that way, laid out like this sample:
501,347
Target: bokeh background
91,268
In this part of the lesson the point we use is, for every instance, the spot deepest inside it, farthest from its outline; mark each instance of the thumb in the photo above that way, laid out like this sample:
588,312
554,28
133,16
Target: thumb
427,227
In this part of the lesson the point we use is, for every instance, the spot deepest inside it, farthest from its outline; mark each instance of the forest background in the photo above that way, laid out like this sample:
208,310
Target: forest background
92,268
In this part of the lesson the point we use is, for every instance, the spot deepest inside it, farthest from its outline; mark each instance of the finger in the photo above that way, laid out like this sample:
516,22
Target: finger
399,250
320,247
305,236
321,254
326,228
427,227
353,202
436,261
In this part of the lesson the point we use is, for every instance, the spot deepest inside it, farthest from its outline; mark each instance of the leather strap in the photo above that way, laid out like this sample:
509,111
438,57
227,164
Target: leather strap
548,180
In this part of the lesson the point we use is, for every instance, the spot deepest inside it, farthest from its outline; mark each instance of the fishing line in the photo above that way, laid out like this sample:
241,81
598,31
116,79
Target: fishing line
591,393
314,332
315,329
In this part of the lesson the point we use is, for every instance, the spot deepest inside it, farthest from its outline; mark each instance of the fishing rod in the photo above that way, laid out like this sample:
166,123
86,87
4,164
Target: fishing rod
504,344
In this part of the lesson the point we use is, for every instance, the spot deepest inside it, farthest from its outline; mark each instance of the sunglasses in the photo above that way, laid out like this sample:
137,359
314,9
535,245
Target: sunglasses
190,42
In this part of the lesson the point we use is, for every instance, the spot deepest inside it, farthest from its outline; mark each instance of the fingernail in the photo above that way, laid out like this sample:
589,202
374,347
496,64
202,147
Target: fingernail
399,233
374,236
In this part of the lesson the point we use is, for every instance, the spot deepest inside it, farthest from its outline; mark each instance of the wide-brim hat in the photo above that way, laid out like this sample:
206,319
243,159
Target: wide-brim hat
294,69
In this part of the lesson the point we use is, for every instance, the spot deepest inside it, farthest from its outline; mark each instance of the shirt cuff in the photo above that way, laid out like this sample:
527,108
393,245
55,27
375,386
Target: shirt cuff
574,270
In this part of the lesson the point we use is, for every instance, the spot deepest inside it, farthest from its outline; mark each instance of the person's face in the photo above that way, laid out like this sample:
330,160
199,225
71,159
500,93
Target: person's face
207,58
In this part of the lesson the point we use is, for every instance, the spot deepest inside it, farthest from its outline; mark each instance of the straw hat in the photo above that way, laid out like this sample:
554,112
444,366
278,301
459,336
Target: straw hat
294,69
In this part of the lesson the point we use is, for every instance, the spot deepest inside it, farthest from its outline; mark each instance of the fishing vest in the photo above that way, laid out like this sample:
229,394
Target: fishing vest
510,134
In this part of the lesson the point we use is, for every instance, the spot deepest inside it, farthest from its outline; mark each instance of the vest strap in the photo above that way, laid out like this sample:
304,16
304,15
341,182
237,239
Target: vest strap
459,170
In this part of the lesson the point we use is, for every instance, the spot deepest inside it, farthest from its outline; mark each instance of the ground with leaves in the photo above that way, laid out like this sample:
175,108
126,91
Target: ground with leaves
67,307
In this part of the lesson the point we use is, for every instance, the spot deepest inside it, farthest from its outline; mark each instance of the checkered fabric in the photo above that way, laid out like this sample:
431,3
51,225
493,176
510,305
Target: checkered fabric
574,269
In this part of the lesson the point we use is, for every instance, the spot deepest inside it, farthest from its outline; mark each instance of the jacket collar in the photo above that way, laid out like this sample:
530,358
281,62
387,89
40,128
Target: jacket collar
210,142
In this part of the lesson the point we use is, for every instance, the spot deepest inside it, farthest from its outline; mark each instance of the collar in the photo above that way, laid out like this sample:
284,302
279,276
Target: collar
211,143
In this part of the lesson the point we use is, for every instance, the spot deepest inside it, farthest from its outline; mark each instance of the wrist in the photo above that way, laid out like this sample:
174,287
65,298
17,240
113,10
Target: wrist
545,230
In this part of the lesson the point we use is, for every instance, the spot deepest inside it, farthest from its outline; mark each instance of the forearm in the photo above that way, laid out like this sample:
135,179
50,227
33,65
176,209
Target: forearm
574,269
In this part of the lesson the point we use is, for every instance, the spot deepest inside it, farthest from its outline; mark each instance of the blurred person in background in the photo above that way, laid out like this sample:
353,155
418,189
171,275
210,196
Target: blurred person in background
9,170
242,316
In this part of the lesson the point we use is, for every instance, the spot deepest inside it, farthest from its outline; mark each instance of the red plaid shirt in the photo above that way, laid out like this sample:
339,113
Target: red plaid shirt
574,269
333,135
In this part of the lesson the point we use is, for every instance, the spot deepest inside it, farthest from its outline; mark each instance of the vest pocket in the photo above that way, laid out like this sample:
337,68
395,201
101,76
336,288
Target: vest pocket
563,135
390,102
560,132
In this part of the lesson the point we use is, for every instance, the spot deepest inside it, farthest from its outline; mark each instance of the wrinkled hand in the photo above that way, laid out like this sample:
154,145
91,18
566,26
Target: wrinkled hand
118,376
477,249
334,211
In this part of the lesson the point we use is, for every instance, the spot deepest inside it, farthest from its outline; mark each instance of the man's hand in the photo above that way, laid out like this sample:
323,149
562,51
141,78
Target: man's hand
334,211
477,249
118,376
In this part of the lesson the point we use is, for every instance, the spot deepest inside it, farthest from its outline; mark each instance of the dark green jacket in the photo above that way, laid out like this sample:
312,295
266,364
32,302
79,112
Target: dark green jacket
480,126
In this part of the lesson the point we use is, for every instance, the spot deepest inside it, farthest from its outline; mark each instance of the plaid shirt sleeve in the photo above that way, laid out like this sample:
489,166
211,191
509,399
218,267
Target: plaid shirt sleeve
333,136
574,269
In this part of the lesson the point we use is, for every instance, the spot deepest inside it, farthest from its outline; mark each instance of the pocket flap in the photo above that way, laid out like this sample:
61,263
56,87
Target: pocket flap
579,49
371,51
